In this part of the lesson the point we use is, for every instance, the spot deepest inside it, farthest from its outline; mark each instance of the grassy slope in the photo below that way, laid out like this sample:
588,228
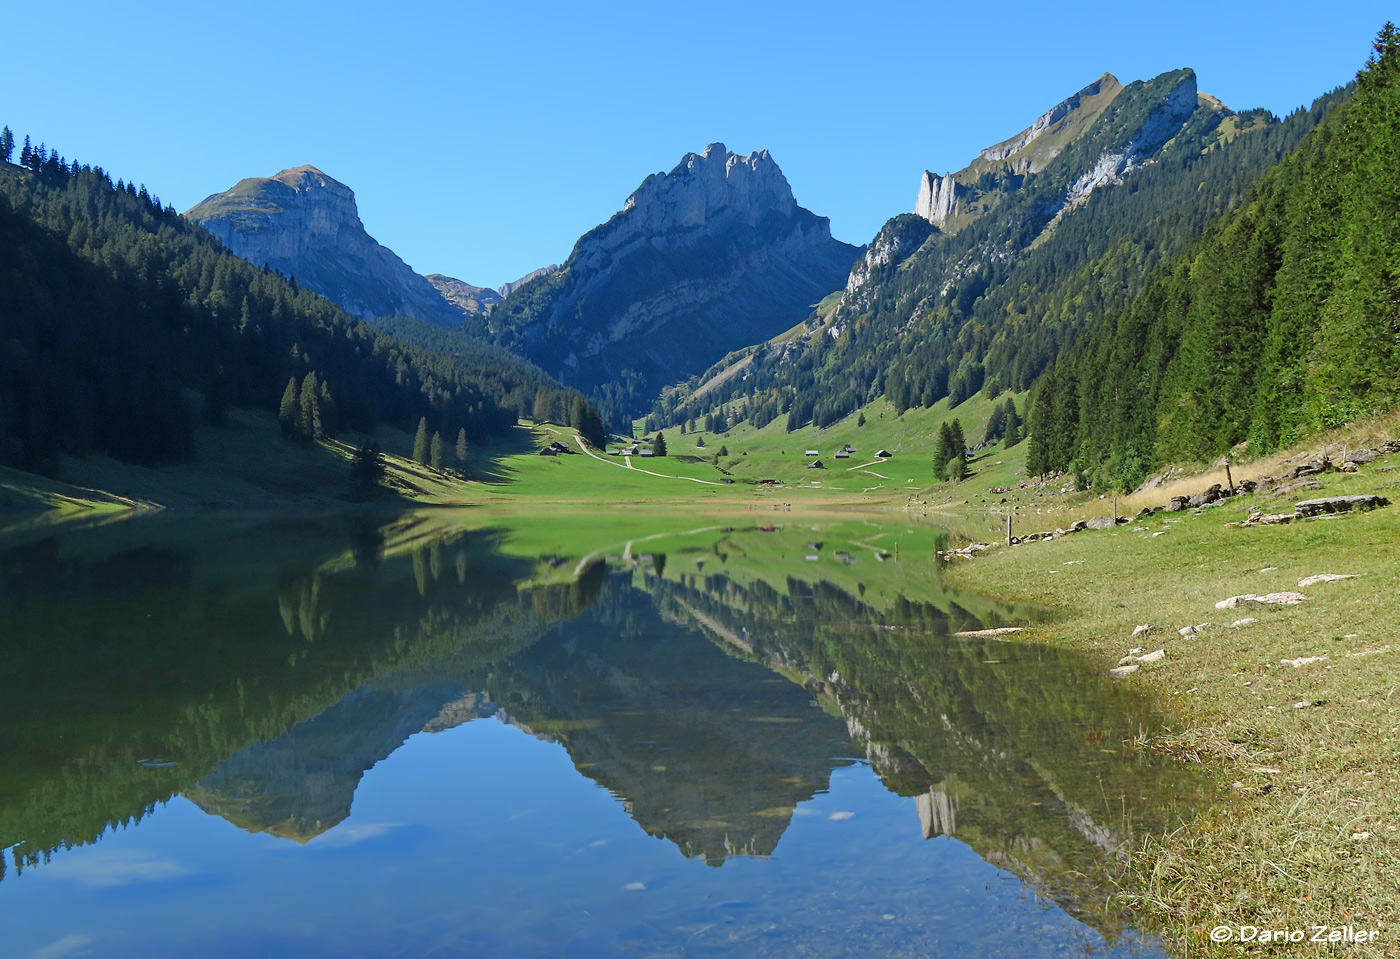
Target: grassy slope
248,464
1311,831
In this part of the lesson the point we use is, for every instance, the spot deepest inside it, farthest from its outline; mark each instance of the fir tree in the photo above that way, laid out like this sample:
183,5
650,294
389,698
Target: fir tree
7,144
435,456
420,443
658,448
943,449
312,418
289,412
461,447
367,467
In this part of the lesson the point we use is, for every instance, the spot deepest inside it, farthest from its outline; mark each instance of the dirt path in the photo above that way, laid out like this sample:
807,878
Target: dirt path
584,446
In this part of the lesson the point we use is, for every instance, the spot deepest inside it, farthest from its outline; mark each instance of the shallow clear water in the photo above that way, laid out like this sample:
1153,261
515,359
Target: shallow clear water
236,738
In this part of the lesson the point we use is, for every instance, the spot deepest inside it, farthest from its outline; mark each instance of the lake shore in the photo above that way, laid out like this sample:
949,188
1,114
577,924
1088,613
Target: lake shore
1293,708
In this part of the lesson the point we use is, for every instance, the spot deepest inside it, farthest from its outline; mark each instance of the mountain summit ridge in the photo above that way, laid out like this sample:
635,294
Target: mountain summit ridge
709,257
305,223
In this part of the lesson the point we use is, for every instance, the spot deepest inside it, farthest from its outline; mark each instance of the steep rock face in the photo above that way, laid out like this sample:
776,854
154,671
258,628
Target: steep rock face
1161,123
938,198
956,199
505,289
306,225
712,256
464,296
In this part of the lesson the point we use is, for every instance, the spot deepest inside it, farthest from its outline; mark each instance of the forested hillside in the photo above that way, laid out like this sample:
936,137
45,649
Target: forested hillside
121,323
995,303
1283,321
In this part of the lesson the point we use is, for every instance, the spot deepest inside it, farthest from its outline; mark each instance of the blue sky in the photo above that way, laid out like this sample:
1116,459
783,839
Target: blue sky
482,140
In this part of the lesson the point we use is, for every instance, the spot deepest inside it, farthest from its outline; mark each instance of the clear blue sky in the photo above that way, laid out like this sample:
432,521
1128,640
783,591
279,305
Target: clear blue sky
482,139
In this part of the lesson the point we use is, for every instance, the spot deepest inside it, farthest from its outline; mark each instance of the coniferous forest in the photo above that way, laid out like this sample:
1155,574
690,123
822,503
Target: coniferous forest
122,325
1284,320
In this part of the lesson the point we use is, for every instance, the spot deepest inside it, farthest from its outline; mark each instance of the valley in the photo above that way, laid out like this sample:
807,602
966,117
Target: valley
999,520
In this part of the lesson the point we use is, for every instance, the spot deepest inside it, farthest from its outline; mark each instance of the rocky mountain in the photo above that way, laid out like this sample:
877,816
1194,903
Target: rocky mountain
714,255
461,294
505,289
306,224
953,200
1005,262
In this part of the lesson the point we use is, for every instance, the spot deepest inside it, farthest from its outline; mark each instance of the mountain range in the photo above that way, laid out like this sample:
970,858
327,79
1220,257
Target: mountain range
996,274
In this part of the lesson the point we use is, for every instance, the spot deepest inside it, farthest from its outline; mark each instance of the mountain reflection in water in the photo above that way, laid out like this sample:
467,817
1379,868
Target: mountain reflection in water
715,690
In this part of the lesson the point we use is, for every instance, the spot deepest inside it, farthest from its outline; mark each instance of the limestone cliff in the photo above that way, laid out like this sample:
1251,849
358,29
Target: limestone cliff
953,200
306,225
505,289
938,198
467,298
712,256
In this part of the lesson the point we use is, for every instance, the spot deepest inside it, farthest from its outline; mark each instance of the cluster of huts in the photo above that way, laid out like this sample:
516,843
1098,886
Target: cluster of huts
844,453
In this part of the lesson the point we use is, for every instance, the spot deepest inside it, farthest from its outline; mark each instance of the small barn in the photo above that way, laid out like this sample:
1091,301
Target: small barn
884,454
549,451
842,455
768,482
812,453
816,465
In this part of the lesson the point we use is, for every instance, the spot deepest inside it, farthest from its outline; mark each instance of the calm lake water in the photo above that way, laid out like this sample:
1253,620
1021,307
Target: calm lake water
240,737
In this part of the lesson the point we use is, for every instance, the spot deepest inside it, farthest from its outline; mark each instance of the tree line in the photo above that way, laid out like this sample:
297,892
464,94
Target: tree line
122,325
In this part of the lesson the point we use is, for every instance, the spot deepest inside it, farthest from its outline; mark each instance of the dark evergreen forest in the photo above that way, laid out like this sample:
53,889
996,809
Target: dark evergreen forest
1284,320
122,324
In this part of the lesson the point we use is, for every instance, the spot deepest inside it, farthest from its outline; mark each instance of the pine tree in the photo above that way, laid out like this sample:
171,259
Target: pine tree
462,447
658,448
860,419
26,153
7,144
435,456
289,412
420,443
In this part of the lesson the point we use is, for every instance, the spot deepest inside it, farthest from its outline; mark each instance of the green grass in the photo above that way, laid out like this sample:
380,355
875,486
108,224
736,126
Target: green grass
774,452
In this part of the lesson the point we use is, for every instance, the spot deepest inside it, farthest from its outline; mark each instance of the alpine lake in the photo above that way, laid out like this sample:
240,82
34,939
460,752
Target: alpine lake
422,735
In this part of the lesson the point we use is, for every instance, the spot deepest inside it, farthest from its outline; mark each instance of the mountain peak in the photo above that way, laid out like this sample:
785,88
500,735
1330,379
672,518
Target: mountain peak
711,186
306,224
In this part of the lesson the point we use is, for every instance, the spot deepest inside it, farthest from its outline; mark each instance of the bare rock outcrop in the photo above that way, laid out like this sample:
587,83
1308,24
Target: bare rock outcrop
305,224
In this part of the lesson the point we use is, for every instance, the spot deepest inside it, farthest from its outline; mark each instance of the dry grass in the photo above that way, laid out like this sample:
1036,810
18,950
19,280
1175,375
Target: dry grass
1307,831
1186,481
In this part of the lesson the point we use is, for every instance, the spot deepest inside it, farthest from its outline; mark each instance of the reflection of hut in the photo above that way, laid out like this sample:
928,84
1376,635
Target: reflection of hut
816,465
884,454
